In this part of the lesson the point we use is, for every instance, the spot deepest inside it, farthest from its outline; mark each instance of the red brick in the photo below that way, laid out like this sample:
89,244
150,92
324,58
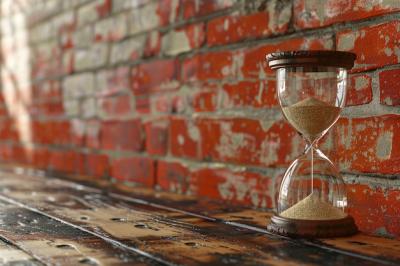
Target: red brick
180,103
204,101
8,130
15,153
104,8
92,134
122,135
312,14
47,108
142,104
389,81
211,65
41,158
375,209
172,176
163,103
51,132
202,7
134,169
4,112
245,141
97,165
246,188
112,81
20,154
5,152
254,63
46,62
375,46
230,29
78,132
370,145
67,161
184,138
157,136
250,94
195,34
359,89
167,11
115,106
153,76
47,90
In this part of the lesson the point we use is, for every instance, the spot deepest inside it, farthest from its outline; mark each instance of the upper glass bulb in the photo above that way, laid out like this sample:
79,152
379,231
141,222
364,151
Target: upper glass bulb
311,98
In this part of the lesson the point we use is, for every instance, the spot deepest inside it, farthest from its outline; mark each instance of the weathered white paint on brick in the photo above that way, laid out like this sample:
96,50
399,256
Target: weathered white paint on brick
116,26
384,145
236,187
144,18
361,82
125,50
77,86
93,57
71,107
87,13
231,142
83,37
89,108
40,10
78,127
112,81
39,33
73,3
278,17
119,5
175,42
347,41
65,19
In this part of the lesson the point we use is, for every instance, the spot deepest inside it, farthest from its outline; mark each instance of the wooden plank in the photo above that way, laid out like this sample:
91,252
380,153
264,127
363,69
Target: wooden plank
55,243
174,236
376,248
11,255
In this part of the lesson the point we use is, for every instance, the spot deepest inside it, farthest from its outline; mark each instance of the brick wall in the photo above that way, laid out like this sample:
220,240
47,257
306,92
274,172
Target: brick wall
175,94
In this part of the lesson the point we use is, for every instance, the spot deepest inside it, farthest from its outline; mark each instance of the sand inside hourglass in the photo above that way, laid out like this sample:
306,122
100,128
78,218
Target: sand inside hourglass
311,117
313,208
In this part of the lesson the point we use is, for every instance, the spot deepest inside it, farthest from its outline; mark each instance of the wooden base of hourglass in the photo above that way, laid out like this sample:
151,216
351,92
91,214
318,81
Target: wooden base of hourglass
312,228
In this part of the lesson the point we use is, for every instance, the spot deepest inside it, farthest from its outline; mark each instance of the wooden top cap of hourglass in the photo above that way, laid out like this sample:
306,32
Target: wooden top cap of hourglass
311,58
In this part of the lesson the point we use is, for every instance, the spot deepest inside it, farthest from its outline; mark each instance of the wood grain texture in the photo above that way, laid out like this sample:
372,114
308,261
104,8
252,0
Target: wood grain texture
182,230
55,243
12,255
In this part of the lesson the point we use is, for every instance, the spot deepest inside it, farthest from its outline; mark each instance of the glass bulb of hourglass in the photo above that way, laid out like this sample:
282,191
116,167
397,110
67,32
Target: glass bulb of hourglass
311,100
324,199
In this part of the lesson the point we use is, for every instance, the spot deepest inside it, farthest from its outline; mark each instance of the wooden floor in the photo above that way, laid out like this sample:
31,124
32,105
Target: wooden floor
52,221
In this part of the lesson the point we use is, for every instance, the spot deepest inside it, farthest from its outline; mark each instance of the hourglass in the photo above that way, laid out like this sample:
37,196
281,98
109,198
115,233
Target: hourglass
311,88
